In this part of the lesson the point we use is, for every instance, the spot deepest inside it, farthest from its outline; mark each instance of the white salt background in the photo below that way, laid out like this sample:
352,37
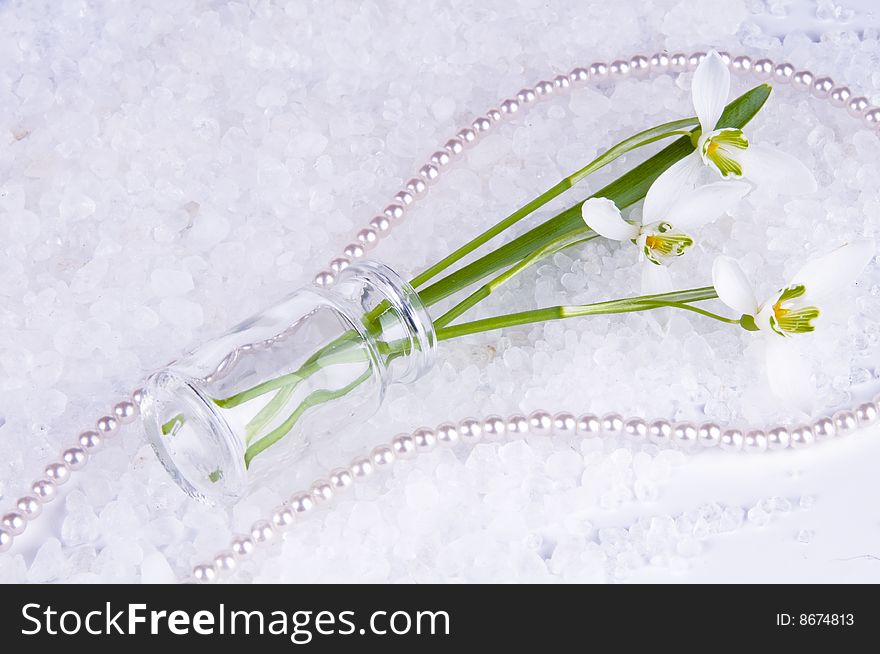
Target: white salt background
164,174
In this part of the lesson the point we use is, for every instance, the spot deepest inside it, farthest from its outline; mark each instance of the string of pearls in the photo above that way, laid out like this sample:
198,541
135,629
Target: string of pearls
470,431
686,435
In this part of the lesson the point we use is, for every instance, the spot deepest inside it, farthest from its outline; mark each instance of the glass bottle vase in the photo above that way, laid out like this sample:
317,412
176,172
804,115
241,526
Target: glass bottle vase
248,403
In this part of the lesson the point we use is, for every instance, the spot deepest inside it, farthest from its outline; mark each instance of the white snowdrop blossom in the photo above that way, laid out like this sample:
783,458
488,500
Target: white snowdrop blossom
728,151
790,311
668,222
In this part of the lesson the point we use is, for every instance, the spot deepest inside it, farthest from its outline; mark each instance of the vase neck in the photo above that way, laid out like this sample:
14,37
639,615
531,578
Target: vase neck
368,288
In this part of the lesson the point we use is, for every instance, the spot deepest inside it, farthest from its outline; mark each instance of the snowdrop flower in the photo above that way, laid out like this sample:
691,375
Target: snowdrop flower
728,151
667,223
791,311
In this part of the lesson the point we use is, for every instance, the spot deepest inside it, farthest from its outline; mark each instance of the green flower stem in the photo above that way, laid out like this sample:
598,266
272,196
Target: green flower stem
666,130
625,191
677,299
487,289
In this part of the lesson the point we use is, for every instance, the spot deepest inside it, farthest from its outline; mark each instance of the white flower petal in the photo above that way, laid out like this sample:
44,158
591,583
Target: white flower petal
710,89
604,218
733,287
789,374
676,180
655,279
770,166
705,203
835,271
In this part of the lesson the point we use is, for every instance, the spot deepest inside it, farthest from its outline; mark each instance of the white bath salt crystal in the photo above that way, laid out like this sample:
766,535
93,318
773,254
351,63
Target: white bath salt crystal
443,109
156,570
646,490
806,502
758,516
79,527
181,313
169,282
564,466
48,564
805,536
13,569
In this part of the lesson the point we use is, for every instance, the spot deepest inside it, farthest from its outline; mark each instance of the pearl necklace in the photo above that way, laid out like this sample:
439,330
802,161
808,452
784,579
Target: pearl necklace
470,431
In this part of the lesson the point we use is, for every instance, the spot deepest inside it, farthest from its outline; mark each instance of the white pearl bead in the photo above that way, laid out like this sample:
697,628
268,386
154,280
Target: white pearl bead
57,472
517,424
242,546
762,69
544,88
425,439
429,173
262,531
684,434
404,446
405,198
635,429
588,425
447,434
126,412
694,60
107,425
857,106
352,251
225,562
494,428
137,396
90,441
540,423
361,468
741,65
839,96
709,434
339,264
417,187
755,441
204,573
782,73
301,503
778,438
844,422
866,414
394,212
564,423
45,490
823,429
639,66
509,107
612,423
470,431
321,491
660,431
441,159
6,540
659,63
367,237
454,147
14,522
872,117
598,71
283,518
579,76
467,136
327,278
526,96
802,436
29,506
75,458
382,457
495,115
678,62
822,87
481,125
381,224
802,80
561,83
731,440
340,478
618,69
725,57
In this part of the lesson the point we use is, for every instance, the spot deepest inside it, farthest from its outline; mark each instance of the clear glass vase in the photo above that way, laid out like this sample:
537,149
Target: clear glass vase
249,403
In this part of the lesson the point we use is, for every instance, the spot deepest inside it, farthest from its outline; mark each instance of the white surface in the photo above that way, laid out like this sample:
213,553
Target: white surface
170,173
